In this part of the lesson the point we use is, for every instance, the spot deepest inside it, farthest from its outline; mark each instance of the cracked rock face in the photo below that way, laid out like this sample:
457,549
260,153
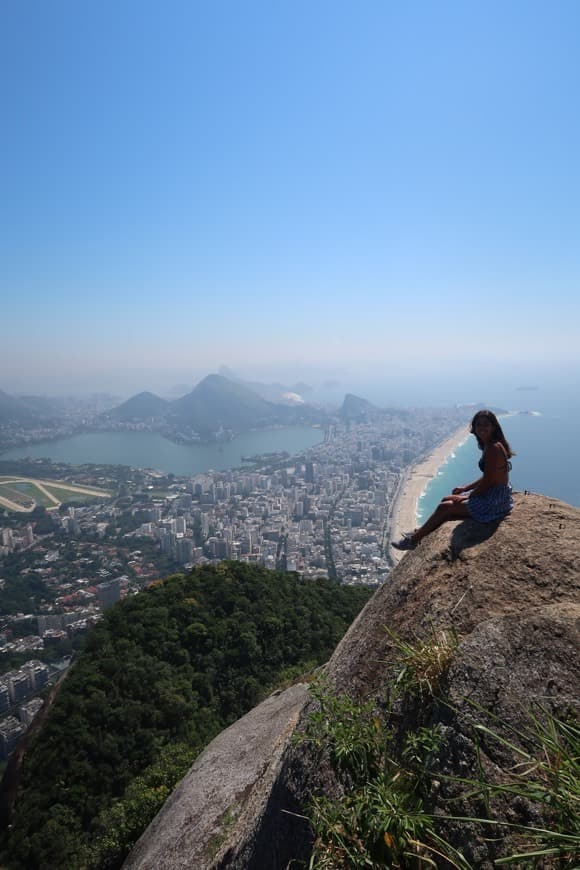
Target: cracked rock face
510,592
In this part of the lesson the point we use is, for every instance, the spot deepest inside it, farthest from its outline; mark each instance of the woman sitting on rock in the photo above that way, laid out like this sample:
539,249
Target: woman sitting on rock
485,500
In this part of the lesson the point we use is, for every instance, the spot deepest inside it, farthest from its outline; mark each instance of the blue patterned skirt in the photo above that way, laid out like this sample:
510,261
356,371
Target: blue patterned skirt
493,504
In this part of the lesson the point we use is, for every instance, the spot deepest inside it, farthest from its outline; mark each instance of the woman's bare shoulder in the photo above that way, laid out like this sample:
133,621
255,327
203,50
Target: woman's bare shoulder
496,451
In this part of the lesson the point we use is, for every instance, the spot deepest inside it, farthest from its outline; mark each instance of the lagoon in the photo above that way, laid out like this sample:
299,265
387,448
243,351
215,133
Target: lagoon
150,450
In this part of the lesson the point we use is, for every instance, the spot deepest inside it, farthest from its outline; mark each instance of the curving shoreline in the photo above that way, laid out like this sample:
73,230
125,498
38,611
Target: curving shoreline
414,480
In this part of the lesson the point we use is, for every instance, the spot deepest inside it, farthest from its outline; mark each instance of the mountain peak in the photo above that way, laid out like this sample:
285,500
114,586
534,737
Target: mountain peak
15,409
142,406
216,401
354,407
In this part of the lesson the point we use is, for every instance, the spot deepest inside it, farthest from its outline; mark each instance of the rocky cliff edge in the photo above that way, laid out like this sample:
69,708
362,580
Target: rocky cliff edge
509,592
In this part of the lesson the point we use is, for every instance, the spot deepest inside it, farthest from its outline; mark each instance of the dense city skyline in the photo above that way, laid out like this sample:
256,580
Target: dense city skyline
286,190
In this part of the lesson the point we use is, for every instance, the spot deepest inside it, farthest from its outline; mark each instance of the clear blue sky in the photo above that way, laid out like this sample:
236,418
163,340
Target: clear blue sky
284,187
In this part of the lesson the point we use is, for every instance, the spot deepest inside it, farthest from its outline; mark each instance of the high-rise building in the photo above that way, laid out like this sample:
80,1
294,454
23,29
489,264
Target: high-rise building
222,549
37,674
108,593
18,686
184,549
28,711
4,699
10,733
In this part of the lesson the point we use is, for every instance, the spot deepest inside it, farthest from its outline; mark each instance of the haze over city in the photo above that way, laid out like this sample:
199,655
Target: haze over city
293,190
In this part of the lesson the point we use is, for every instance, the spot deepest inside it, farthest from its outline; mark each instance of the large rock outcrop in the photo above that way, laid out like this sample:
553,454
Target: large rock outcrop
509,591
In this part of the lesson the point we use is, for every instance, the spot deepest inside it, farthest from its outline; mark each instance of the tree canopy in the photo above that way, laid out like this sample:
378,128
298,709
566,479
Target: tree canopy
164,672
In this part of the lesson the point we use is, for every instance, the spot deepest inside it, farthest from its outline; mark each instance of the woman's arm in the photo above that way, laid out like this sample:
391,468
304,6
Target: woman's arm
468,487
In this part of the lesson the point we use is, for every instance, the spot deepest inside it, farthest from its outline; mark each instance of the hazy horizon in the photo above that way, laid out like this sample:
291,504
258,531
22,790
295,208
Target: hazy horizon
385,194
553,386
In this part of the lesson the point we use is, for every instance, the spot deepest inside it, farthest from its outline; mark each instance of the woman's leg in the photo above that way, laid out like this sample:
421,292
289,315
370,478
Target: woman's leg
446,511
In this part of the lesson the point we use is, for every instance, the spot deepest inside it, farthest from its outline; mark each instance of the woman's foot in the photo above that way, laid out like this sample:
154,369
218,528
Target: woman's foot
407,542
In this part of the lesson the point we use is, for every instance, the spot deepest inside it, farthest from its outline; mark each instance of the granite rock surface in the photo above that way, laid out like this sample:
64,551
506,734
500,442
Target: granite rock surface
510,593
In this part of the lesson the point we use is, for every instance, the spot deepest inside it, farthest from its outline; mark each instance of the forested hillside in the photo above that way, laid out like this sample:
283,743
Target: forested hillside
160,676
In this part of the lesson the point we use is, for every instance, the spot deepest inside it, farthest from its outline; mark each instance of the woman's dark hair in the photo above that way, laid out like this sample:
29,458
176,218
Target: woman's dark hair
497,434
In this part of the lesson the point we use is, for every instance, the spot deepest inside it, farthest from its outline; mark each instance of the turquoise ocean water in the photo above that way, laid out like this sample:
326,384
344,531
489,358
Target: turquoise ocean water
547,446
546,458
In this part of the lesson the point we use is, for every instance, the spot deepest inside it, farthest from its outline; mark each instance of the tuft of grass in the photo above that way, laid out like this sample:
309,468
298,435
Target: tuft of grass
422,665
380,818
547,774
347,730
227,823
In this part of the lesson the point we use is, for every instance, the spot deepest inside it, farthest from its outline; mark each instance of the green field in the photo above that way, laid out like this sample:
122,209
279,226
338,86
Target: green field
27,493
12,494
32,491
68,495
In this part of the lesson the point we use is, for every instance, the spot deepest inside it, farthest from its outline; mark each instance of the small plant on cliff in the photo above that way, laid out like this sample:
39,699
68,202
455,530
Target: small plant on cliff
422,665
547,775
348,730
383,817
379,820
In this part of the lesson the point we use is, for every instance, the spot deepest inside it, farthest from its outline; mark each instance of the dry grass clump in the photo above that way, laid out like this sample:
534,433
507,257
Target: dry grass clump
425,662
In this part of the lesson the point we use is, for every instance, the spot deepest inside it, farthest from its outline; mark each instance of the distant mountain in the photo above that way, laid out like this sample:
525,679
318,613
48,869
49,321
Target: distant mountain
143,406
273,392
227,372
291,398
16,410
355,408
44,406
216,401
302,388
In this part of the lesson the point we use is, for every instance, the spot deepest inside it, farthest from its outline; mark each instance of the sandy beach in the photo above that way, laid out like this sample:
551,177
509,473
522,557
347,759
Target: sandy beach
414,481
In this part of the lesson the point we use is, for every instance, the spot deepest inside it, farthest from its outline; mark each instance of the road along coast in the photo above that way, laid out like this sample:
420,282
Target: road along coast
413,483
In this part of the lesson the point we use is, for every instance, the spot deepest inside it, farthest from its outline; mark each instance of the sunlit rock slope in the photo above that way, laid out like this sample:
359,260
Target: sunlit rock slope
510,592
